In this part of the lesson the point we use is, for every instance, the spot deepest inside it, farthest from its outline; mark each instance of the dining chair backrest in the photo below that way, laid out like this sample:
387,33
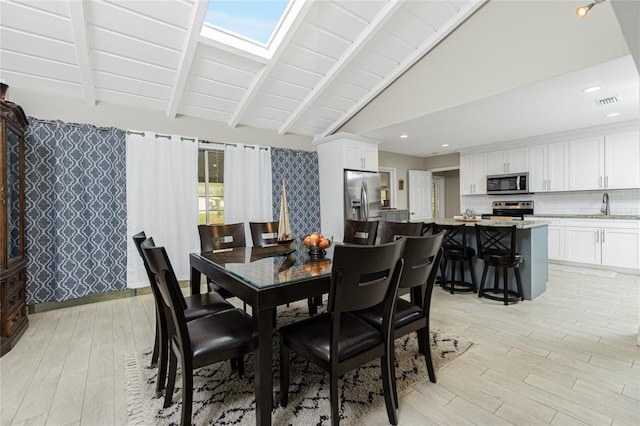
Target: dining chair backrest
361,276
391,231
264,233
422,257
169,289
216,237
496,241
456,237
360,232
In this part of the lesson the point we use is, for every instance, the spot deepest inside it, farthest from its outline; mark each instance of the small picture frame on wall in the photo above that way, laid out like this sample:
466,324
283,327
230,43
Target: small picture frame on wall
400,184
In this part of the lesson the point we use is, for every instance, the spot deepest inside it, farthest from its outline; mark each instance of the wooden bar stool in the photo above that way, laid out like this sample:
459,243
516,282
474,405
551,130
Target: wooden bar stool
458,253
497,247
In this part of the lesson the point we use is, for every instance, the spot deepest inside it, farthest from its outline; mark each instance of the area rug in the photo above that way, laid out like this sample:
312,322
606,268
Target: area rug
221,398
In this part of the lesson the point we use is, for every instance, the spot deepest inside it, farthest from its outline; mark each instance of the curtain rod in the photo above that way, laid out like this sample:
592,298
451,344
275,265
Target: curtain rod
233,144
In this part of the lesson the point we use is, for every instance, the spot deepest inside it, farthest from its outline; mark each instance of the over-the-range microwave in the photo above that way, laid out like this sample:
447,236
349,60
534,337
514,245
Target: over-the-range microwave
511,183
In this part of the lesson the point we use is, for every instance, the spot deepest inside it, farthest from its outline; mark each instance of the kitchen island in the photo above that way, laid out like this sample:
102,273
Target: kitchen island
531,243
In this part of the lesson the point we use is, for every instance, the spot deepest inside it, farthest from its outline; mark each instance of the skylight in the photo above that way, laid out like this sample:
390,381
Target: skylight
250,19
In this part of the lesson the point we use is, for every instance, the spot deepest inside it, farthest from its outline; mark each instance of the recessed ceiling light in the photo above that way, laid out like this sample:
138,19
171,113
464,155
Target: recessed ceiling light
404,136
613,114
445,144
591,89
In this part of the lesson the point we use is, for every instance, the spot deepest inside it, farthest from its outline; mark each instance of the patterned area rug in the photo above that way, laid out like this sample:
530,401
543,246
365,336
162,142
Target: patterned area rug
221,398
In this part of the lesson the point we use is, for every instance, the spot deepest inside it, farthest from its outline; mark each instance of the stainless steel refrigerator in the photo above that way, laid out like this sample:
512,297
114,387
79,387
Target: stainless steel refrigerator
362,196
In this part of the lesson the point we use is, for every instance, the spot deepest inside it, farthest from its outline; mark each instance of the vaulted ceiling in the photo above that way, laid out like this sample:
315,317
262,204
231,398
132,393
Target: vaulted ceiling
335,57
462,72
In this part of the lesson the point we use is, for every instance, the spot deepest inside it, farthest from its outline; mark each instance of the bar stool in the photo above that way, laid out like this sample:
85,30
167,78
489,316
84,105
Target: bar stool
457,252
497,247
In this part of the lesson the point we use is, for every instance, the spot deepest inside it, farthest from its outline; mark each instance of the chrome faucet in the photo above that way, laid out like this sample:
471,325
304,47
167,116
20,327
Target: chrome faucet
605,208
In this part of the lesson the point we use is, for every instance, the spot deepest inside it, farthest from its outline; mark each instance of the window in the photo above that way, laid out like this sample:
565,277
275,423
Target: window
211,186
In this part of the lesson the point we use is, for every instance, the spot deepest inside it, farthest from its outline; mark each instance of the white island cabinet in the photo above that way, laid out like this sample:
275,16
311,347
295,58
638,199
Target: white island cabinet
335,154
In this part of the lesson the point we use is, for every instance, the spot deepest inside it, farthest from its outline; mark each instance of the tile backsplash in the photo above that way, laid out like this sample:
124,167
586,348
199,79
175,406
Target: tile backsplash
621,202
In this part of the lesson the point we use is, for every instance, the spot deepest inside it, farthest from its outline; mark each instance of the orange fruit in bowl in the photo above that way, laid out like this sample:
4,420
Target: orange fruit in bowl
314,238
323,243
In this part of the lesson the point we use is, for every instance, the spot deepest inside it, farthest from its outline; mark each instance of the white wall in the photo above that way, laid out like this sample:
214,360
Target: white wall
49,107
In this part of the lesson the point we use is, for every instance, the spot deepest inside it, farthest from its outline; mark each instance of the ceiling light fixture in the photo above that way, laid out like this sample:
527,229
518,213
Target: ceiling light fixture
582,11
404,136
613,114
445,145
591,89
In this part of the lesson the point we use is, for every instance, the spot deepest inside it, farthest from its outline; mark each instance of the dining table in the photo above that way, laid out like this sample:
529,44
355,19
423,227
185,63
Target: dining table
264,278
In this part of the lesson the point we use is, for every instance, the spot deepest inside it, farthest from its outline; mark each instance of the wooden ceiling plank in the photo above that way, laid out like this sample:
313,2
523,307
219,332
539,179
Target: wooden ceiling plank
186,57
359,43
430,43
79,28
300,10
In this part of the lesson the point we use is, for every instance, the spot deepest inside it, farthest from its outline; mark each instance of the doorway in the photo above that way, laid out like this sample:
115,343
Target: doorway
438,197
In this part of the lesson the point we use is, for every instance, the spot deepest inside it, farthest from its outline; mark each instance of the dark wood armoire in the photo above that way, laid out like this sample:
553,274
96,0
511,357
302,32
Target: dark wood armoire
13,314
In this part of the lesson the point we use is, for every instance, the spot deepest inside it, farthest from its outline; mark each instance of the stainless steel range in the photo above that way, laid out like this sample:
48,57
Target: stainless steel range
513,209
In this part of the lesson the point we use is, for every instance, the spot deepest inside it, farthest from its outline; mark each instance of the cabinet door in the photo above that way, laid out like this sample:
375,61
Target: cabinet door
497,163
556,242
370,159
582,244
480,174
517,160
558,166
353,158
538,168
585,164
622,161
466,175
621,247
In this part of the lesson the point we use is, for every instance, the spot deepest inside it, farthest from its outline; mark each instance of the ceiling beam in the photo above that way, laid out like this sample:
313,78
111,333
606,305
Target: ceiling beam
298,11
358,44
467,10
79,28
198,13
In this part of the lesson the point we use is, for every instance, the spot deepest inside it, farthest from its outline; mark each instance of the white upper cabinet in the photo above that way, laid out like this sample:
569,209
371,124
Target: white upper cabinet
622,161
361,156
609,162
549,167
507,161
473,174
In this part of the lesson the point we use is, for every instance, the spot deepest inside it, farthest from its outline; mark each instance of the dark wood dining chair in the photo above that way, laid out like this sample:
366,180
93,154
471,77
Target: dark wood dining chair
457,253
360,232
391,231
338,341
264,233
422,256
217,237
203,341
497,248
195,306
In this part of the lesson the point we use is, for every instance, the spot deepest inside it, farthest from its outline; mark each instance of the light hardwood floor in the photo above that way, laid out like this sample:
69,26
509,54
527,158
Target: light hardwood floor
567,358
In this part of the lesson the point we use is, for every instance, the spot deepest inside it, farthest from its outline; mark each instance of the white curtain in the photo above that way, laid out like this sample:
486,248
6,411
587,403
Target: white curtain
162,200
247,185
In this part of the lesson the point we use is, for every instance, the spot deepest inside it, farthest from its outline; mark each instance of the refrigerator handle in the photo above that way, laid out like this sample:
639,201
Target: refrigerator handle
364,201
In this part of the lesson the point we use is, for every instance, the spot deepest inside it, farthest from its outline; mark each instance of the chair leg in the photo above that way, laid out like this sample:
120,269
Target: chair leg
284,375
453,276
505,284
237,363
423,336
389,390
187,392
473,275
333,397
519,282
168,393
313,309
461,266
164,355
484,279
496,274
156,343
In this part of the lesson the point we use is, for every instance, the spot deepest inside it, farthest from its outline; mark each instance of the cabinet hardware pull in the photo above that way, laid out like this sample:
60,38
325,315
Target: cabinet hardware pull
603,235
606,181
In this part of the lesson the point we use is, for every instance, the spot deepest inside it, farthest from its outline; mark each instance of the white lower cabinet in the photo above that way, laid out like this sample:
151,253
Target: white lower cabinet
603,242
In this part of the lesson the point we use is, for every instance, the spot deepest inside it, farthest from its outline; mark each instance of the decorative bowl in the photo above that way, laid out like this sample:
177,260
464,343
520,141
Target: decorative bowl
317,243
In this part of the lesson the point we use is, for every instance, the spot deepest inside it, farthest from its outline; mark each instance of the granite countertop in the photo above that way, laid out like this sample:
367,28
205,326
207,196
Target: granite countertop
588,216
520,224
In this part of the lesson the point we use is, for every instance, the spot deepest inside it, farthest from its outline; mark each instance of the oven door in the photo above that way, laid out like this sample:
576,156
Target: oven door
514,214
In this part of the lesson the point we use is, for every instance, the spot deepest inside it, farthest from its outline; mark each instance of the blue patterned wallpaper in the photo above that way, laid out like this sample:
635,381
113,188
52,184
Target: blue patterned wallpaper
75,218
299,169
